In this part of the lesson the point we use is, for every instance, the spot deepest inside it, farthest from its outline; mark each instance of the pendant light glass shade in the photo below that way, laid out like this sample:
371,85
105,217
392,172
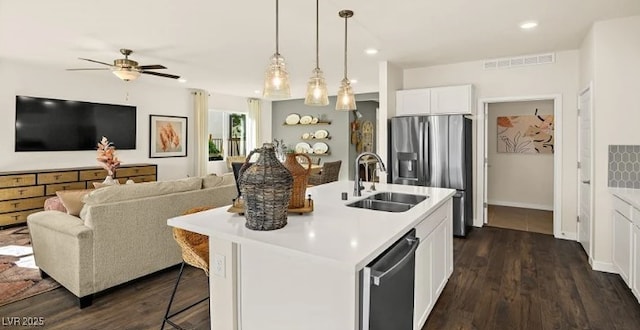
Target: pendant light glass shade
317,94
345,100
276,78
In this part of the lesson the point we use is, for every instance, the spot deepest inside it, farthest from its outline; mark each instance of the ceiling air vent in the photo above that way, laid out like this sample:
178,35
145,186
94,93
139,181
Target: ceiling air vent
514,62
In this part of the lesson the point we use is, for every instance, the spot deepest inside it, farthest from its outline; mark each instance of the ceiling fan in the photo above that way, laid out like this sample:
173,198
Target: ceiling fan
127,69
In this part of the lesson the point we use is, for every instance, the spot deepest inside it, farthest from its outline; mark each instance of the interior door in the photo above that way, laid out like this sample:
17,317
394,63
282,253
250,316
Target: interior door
485,191
584,170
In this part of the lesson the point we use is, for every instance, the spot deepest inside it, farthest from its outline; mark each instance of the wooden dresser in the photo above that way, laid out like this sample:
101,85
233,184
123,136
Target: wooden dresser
24,192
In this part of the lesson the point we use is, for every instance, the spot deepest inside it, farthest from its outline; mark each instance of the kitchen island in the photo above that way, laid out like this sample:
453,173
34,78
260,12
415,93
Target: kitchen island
306,275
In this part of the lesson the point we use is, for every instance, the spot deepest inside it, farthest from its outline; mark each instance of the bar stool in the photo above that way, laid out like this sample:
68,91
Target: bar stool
195,252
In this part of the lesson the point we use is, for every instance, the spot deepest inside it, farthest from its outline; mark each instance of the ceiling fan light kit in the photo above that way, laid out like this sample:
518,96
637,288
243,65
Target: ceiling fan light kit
345,100
317,94
276,80
127,69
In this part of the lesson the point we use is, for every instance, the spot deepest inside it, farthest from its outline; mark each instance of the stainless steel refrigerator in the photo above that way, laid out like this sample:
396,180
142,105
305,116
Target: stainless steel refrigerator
435,151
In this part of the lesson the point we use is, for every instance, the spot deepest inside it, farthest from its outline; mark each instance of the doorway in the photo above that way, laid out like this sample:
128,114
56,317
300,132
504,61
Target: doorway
512,163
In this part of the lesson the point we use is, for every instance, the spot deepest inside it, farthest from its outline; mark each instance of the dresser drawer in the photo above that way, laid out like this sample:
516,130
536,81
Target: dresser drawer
148,178
7,181
22,204
21,192
622,207
57,177
52,188
93,175
135,171
15,217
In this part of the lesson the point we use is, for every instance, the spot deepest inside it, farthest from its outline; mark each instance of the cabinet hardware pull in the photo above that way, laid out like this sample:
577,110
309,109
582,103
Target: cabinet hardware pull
17,179
15,205
57,176
15,217
21,191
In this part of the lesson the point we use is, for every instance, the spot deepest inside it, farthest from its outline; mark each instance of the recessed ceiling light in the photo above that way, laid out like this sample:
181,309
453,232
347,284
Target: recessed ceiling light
182,80
371,51
257,91
528,25
354,81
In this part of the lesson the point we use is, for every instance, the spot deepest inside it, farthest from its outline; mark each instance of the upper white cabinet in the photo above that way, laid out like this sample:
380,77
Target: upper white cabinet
435,101
413,102
451,100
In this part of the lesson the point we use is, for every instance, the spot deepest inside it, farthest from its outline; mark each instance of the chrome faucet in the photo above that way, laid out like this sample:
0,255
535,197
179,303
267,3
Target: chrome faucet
357,188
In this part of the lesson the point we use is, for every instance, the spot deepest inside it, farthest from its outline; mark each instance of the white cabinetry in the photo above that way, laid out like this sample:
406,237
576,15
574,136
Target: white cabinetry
434,261
413,102
435,101
626,243
451,100
622,245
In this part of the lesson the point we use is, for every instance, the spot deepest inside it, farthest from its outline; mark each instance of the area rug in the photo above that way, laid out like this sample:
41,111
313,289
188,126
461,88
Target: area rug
18,283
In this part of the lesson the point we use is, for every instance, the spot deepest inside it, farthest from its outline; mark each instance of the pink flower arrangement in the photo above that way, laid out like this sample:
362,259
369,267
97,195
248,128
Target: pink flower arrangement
107,156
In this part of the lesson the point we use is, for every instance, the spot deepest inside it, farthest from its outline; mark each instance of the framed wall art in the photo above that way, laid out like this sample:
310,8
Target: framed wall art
167,136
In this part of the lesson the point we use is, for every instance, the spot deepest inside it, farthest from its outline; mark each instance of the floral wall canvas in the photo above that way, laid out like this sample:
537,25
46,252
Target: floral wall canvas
168,136
525,134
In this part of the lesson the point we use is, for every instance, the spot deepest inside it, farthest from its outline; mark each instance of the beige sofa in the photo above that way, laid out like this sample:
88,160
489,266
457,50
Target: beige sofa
121,232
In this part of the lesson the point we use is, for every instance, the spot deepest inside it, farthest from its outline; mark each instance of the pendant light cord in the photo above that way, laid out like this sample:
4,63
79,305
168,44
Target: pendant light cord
345,46
277,48
317,34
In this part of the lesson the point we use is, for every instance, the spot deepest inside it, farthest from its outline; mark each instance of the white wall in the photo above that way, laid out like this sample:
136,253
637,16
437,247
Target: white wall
616,112
391,78
515,179
560,77
101,87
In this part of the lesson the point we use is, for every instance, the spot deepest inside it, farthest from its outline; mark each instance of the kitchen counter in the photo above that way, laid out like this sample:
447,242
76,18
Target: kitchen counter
306,275
631,196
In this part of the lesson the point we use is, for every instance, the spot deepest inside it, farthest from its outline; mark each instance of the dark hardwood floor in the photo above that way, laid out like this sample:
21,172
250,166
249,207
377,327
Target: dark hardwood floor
508,279
502,279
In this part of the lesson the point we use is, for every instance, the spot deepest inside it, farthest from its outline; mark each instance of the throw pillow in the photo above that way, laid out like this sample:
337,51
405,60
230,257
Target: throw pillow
211,181
72,200
54,204
102,184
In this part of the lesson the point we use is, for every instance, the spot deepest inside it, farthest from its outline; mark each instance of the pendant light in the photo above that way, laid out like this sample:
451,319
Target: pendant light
276,80
317,87
345,99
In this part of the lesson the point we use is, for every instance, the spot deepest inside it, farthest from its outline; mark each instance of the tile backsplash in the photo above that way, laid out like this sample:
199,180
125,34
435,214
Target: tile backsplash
624,166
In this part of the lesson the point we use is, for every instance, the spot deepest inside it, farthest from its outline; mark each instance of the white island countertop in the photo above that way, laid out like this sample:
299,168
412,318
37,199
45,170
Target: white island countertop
351,237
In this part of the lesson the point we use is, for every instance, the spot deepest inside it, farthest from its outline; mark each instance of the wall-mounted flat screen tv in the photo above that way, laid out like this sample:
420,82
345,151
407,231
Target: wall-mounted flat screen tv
61,125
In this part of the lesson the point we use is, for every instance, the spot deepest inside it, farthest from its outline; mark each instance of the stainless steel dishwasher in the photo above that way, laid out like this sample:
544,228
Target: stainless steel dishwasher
387,287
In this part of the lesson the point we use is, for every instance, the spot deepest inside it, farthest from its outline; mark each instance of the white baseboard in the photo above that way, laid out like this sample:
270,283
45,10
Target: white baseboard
567,235
522,205
600,266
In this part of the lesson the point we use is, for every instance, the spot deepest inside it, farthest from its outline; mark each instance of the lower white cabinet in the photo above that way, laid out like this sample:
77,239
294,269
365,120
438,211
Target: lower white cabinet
626,243
635,281
622,245
434,264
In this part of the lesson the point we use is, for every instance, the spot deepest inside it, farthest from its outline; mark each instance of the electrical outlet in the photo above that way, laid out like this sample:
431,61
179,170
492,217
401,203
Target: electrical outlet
218,265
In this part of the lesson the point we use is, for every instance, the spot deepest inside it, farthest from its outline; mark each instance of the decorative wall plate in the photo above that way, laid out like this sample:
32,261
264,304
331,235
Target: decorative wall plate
303,148
305,120
320,148
320,134
292,119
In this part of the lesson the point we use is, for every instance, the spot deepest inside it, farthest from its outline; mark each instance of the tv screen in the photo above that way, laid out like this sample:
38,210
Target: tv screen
60,125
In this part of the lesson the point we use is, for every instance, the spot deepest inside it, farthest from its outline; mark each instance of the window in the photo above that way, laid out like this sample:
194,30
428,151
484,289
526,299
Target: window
227,134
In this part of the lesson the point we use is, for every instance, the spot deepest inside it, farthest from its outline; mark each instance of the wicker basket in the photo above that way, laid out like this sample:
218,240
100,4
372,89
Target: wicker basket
266,187
300,178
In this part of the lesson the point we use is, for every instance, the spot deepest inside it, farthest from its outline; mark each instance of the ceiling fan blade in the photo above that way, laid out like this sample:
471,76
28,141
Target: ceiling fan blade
94,61
160,74
88,69
151,67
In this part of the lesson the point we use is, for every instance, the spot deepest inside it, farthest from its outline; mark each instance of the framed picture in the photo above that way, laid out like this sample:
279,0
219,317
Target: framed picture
167,136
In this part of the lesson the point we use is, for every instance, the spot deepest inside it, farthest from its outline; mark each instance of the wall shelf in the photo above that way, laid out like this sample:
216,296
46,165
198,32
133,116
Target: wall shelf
318,123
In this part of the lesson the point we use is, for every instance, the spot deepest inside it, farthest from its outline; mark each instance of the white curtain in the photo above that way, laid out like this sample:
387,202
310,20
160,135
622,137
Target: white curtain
201,111
254,134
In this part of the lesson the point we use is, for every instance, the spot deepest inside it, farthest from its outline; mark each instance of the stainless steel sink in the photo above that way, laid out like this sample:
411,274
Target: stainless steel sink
371,204
389,202
398,197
